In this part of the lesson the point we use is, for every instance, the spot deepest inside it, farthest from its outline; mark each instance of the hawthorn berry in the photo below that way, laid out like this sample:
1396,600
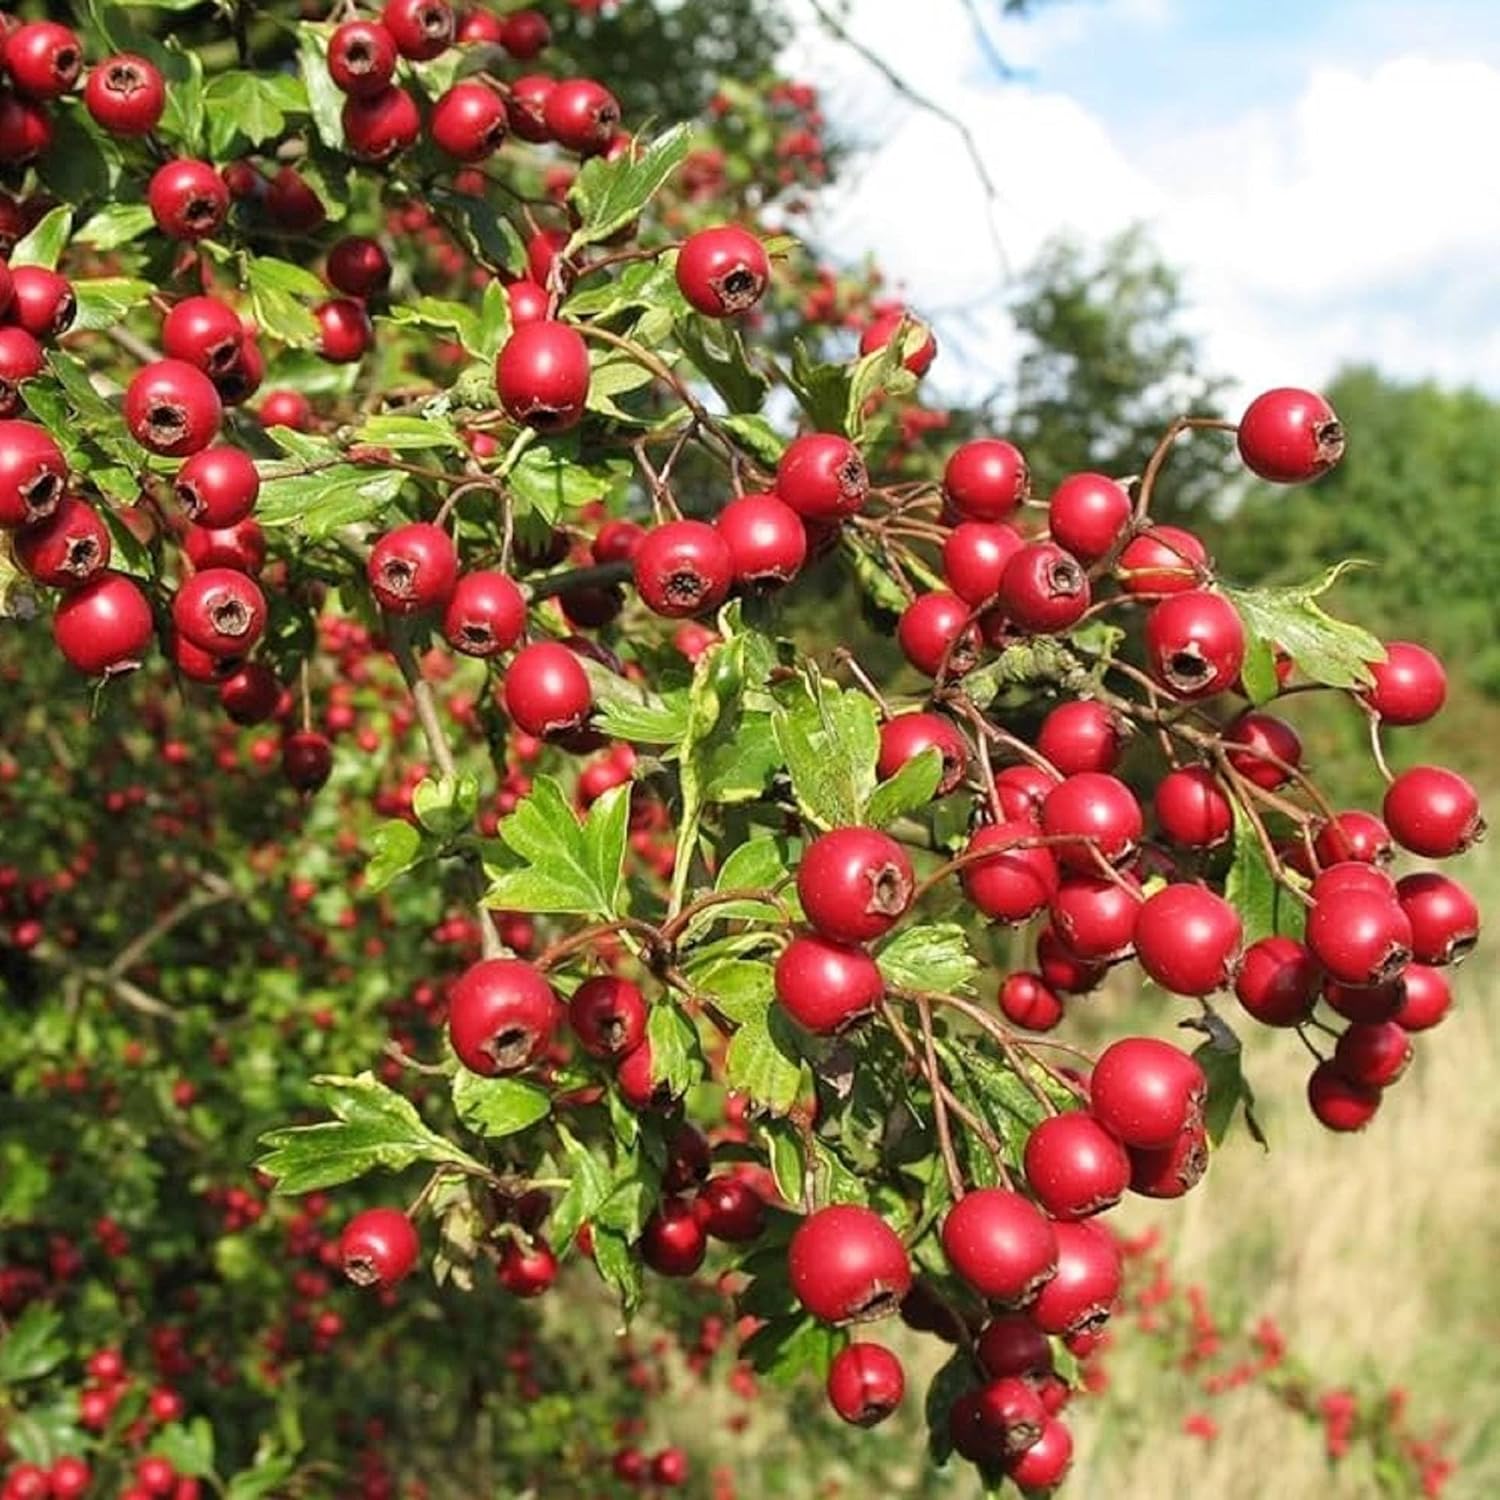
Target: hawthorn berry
581,115
1433,812
1289,436
1087,515
104,627
683,568
731,1210
21,358
421,29
1410,685
766,539
908,735
529,303
1043,590
33,474
42,302
362,58
1082,735
250,694
974,558
1425,998
1188,939
1375,1055
413,569
220,611
1000,1244
378,127
378,1247
526,1270
292,204
172,408
1354,835
723,271
345,332
65,549
986,479
1278,981
673,1242
242,546
1096,915
542,375
485,615
1021,790
217,486
358,267
847,1265
937,637
1044,1465
1339,1103
125,94
822,477
1026,1001
25,130
854,884
501,1016
527,107
1146,1092
1081,1295
608,1016
205,333
865,1384
1163,560
1268,749
1015,882
43,59
824,985
1195,643
1074,1166
547,690
1098,811
1192,808
306,760
1359,937
188,199
1444,917
468,122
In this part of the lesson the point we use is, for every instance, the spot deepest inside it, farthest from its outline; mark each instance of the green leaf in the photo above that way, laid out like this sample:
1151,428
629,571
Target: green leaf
324,98
550,479
494,1107
786,1155
1265,905
250,107
934,958
718,354
610,194
317,504
182,119
373,1127
676,1054
742,991
104,302
395,846
948,1384
274,286
485,232
446,805
830,740
44,245
1258,675
438,313
188,1446
764,1061
625,710
82,165
913,786
822,390
643,284
1222,1062
617,1264
786,1349
1324,649
757,436
31,1348
407,434
268,1477
547,861
588,1186
42,1434
115,225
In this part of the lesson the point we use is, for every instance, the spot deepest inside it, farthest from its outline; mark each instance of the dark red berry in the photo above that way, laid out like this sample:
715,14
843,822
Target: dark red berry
306,760
421,29
378,127
908,735
731,1210
581,116
65,549
526,1270
1410,684
250,694
1373,1055
1043,590
220,611
524,33
33,474
1195,643
1278,981
413,569
766,539
527,107
937,636
358,267
1074,1166
362,58
42,302
1444,917
345,332
1163,560
1433,811
673,1242
469,122
608,1016
21,359
1338,1103
865,1384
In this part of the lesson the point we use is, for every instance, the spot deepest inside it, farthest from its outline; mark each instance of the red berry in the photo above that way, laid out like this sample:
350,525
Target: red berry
188,199
1000,1244
1012,1345
1163,560
854,884
846,1265
529,303
1045,1463
413,569
501,1016
220,611
1278,981
1063,970
33,474
1289,436
292,204
358,267
42,302
1097,810
125,94
1339,1104
1367,1003
766,539
362,58
1081,736
43,59
250,696
70,1477
986,479
1074,1166
242,547
1043,590
1021,791
581,116
65,549
1188,939
1080,1297
824,985
879,332
1433,811
524,33
1087,515
205,333
865,1384
547,690
937,637
345,332
469,122
974,558
306,760
1195,643
217,486
1025,1000
526,1270
608,1016
527,107
673,1242
1018,880
378,1247
21,358
486,614
25,130
670,1467
1443,915
1268,747
542,375
683,568
421,29
822,477
1373,1055
723,271
1410,684
104,627
908,735
731,1210
1147,1092
1359,937
1171,1171
378,127
1354,835
1096,916
1352,875
1425,998
172,409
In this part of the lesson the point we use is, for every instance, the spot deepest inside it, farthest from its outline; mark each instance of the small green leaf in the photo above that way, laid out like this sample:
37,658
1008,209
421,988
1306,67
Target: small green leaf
588,1186
787,1156
115,225
913,786
104,301
274,286
324,99
757,435
786,1349
764,1061
494,1107
822,390
550,479
625,710
830,740
676,1054
1265,905
948,1384
250,107
267,1477
446,805
44,245
610,194
1259,671
1324,649
934,958
1222,1061
395,846
718,353
373,1127
320,503
32,1346
406,434
486,233
546,861
182,119
618,1264
187,1446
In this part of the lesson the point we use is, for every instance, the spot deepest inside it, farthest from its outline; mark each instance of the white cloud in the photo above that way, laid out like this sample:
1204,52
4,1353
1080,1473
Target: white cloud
1354,222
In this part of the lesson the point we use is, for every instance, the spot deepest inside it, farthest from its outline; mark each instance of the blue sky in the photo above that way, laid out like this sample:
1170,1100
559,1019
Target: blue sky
1321,173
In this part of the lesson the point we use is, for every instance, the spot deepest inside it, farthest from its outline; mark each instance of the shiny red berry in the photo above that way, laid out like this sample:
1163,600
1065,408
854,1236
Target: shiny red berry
220,611
65,549
1017,880
723,271
1278,981
854,884
1289,436
172,408
1188,939
1099,812
1087,515
104,627
1410,684
1043,590
1082,735
822,477
547,690
33,474
217,486
683,568
1074,1166
413,568
1338,1103
974,558
421,29
824,985
501,1015
865,1384
1026,1001
1000,1244
542,375
1195,643
358,267
1433,812
485,615
378,127
1444,917
125,94
908,735
469,122
345,332
188,199
1359,937
43,59
608,1016
1163,560
378,1247
847,1265
1081,1296
673,1242
1146,1092
937,636
766,539
986,479
362,58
